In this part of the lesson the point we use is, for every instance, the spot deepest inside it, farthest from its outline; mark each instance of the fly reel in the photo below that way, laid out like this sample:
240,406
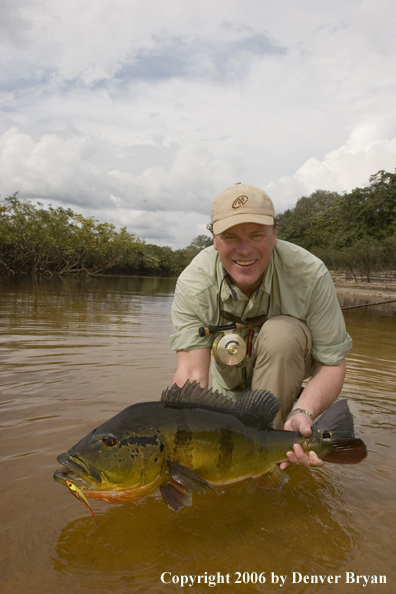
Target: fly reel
229,349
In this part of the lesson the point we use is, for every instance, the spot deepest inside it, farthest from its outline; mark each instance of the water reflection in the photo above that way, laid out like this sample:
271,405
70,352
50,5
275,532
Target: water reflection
88,333
137,542
63,303
74,352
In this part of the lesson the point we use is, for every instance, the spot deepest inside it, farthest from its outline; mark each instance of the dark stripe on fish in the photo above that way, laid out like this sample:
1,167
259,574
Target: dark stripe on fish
226,446
183,447
140,440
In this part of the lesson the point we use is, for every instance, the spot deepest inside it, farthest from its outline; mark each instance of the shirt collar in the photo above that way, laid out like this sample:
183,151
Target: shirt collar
266,283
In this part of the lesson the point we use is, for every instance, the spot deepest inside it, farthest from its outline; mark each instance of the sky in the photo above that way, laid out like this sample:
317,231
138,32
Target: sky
139,113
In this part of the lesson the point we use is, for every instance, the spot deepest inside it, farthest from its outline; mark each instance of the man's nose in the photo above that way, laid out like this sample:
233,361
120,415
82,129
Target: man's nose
244,247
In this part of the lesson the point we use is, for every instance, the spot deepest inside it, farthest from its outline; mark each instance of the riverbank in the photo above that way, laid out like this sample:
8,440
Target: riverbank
366,290
383,285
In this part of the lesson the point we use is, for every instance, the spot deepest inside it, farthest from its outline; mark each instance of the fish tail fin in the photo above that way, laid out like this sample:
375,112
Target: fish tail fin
346,451
336,431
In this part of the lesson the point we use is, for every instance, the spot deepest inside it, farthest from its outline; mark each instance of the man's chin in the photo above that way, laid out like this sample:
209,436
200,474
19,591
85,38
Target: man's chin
246,281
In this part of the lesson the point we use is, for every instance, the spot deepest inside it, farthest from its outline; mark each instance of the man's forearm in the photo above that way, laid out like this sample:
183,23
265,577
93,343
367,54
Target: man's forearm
323,388
320,393
193,366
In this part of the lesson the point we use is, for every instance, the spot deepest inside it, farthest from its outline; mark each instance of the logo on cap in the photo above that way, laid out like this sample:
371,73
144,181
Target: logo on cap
240,201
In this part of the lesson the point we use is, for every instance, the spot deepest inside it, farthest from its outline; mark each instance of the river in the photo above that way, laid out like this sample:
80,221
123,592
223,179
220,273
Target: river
73,352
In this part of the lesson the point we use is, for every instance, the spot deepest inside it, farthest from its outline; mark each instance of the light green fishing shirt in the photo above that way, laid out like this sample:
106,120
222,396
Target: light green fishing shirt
296,283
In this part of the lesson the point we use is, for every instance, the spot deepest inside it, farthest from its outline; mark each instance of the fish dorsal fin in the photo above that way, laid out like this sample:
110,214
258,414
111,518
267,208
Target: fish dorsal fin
193,393
259,403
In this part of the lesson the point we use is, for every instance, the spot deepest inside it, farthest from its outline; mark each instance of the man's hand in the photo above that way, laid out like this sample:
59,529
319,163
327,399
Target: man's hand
320,393
302,424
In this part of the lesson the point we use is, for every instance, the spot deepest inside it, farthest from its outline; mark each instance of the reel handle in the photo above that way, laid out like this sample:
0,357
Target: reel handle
205,330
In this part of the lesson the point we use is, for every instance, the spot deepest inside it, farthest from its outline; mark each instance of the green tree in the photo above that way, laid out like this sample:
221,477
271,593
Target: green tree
39,240
197,245
355,230
310,220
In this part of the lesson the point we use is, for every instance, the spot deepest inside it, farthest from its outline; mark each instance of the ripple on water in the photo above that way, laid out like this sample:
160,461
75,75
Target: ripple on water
135,541
98,359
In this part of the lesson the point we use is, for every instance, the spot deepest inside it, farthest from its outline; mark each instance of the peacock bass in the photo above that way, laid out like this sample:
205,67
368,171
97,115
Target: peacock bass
195,439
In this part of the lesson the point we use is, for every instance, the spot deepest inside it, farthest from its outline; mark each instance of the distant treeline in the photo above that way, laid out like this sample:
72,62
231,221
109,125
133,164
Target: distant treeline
355,231
46,241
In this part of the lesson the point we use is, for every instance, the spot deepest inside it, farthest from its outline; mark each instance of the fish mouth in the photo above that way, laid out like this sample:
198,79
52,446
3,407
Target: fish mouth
78,471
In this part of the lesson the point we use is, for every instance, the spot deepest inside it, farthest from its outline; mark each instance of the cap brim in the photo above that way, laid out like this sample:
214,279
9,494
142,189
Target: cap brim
224,224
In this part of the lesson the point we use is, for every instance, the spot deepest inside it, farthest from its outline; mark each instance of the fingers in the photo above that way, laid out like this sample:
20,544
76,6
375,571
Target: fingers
305,429
300,458
299,423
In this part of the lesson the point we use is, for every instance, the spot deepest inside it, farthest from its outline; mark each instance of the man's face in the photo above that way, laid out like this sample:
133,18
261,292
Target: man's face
245,251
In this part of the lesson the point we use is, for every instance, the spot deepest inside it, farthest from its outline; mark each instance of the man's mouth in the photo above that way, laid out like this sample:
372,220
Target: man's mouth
244,263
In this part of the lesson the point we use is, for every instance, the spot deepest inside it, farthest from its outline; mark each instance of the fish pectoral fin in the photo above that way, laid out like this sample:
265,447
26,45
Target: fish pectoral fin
188,478
272,480
175,495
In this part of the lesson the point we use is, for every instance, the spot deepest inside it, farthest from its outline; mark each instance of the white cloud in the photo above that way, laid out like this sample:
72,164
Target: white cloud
63,171
142,112
341,170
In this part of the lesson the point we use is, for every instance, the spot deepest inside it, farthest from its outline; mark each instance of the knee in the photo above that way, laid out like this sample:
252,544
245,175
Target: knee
283,336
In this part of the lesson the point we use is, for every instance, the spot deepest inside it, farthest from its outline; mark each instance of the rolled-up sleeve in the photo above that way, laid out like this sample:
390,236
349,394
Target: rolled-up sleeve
188,314
331,342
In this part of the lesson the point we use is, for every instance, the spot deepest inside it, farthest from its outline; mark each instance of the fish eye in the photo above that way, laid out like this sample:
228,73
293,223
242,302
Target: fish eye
326,435
109,441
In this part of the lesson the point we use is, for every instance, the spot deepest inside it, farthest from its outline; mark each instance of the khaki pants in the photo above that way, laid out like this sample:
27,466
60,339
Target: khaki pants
283,360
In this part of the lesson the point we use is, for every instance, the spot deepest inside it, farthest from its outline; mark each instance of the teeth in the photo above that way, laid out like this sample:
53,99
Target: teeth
245,263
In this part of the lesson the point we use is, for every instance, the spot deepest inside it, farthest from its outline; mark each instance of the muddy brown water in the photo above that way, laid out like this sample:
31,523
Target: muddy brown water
75,352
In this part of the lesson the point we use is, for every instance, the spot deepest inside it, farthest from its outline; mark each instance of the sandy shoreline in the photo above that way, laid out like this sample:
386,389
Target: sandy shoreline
366,289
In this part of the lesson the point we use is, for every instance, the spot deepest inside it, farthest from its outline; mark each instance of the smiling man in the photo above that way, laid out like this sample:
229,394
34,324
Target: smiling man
251,276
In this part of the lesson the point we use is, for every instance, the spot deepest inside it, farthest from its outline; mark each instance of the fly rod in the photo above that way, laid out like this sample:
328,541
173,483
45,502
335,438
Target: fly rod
368,304
204,330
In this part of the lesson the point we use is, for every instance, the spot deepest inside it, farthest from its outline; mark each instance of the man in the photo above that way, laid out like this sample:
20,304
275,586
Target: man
249,274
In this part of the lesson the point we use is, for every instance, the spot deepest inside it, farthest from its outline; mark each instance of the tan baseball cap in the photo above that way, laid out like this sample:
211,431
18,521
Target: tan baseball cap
241,204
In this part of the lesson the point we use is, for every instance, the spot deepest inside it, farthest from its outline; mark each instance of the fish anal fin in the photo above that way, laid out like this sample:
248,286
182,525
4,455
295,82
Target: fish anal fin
175,495
187,477
337,419
272,480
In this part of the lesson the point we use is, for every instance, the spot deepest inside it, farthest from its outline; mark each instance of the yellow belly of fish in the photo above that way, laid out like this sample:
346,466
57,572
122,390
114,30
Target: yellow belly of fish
125,495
